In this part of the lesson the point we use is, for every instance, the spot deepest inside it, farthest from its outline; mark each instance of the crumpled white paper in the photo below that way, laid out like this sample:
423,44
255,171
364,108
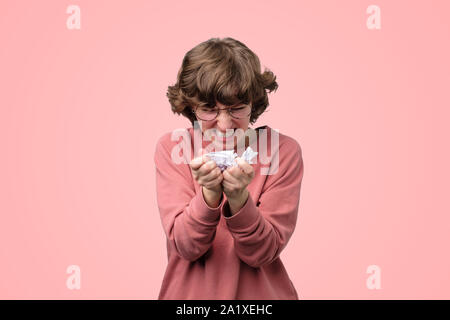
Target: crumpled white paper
225,159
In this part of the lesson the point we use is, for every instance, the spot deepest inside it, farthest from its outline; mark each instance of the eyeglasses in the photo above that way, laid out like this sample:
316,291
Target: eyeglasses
207,114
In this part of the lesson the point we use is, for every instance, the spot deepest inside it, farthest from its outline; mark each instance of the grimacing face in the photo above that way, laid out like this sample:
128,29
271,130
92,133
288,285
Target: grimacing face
222,130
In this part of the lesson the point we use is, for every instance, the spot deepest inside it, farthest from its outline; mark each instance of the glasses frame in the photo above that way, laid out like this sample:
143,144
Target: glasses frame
194,110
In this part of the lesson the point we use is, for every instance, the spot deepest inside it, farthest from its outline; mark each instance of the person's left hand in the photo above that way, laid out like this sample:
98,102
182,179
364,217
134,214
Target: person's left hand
236,179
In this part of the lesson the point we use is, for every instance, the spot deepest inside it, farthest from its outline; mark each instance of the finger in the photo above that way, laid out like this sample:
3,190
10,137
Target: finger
227,176
214,174
214,182
195,174
196,163
245,166
211,175
206,158
227,185
235,172
207,168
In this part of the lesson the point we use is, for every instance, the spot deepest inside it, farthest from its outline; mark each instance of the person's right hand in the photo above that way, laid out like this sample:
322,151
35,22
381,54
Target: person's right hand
206,173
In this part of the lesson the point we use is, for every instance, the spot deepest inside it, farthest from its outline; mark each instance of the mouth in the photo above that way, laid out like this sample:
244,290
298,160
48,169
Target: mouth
224,135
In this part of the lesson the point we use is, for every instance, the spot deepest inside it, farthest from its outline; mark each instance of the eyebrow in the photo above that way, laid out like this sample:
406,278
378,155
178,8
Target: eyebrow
235,106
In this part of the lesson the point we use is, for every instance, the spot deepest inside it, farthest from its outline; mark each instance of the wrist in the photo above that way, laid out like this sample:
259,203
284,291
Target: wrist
237,202
212,197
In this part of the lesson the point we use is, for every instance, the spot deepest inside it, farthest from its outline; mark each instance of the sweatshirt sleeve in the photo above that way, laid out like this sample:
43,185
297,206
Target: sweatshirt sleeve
262,230
188,222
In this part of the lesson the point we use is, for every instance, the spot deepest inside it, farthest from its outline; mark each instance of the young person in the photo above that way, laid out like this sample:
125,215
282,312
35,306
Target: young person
226,229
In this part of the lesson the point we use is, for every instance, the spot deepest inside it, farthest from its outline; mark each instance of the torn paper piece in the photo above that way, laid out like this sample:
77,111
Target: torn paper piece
227,158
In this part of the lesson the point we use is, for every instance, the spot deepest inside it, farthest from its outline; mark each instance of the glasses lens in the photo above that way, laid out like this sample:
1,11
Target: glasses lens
205,113
240,112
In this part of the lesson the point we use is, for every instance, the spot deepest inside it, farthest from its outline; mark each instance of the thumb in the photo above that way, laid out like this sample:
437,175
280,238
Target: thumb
196,163
199,159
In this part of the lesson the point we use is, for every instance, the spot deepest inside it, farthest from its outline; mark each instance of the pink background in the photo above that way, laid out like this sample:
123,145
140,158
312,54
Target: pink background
80,112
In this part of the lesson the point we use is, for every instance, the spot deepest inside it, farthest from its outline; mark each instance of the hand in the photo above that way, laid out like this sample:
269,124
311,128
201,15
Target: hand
236,180
207,174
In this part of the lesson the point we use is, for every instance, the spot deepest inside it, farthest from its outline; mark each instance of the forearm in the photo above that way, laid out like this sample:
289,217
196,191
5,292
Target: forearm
257,240
192,232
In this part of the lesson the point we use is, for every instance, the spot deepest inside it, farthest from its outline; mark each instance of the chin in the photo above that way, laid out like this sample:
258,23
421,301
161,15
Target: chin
219,146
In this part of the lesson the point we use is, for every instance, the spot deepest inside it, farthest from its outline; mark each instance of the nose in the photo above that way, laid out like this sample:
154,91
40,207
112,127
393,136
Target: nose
224,120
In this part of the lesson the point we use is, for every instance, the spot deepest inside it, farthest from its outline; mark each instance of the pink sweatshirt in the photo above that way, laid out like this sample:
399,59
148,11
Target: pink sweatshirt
215,256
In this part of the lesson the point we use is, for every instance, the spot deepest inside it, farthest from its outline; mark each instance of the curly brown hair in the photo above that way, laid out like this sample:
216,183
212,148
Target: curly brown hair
223,70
